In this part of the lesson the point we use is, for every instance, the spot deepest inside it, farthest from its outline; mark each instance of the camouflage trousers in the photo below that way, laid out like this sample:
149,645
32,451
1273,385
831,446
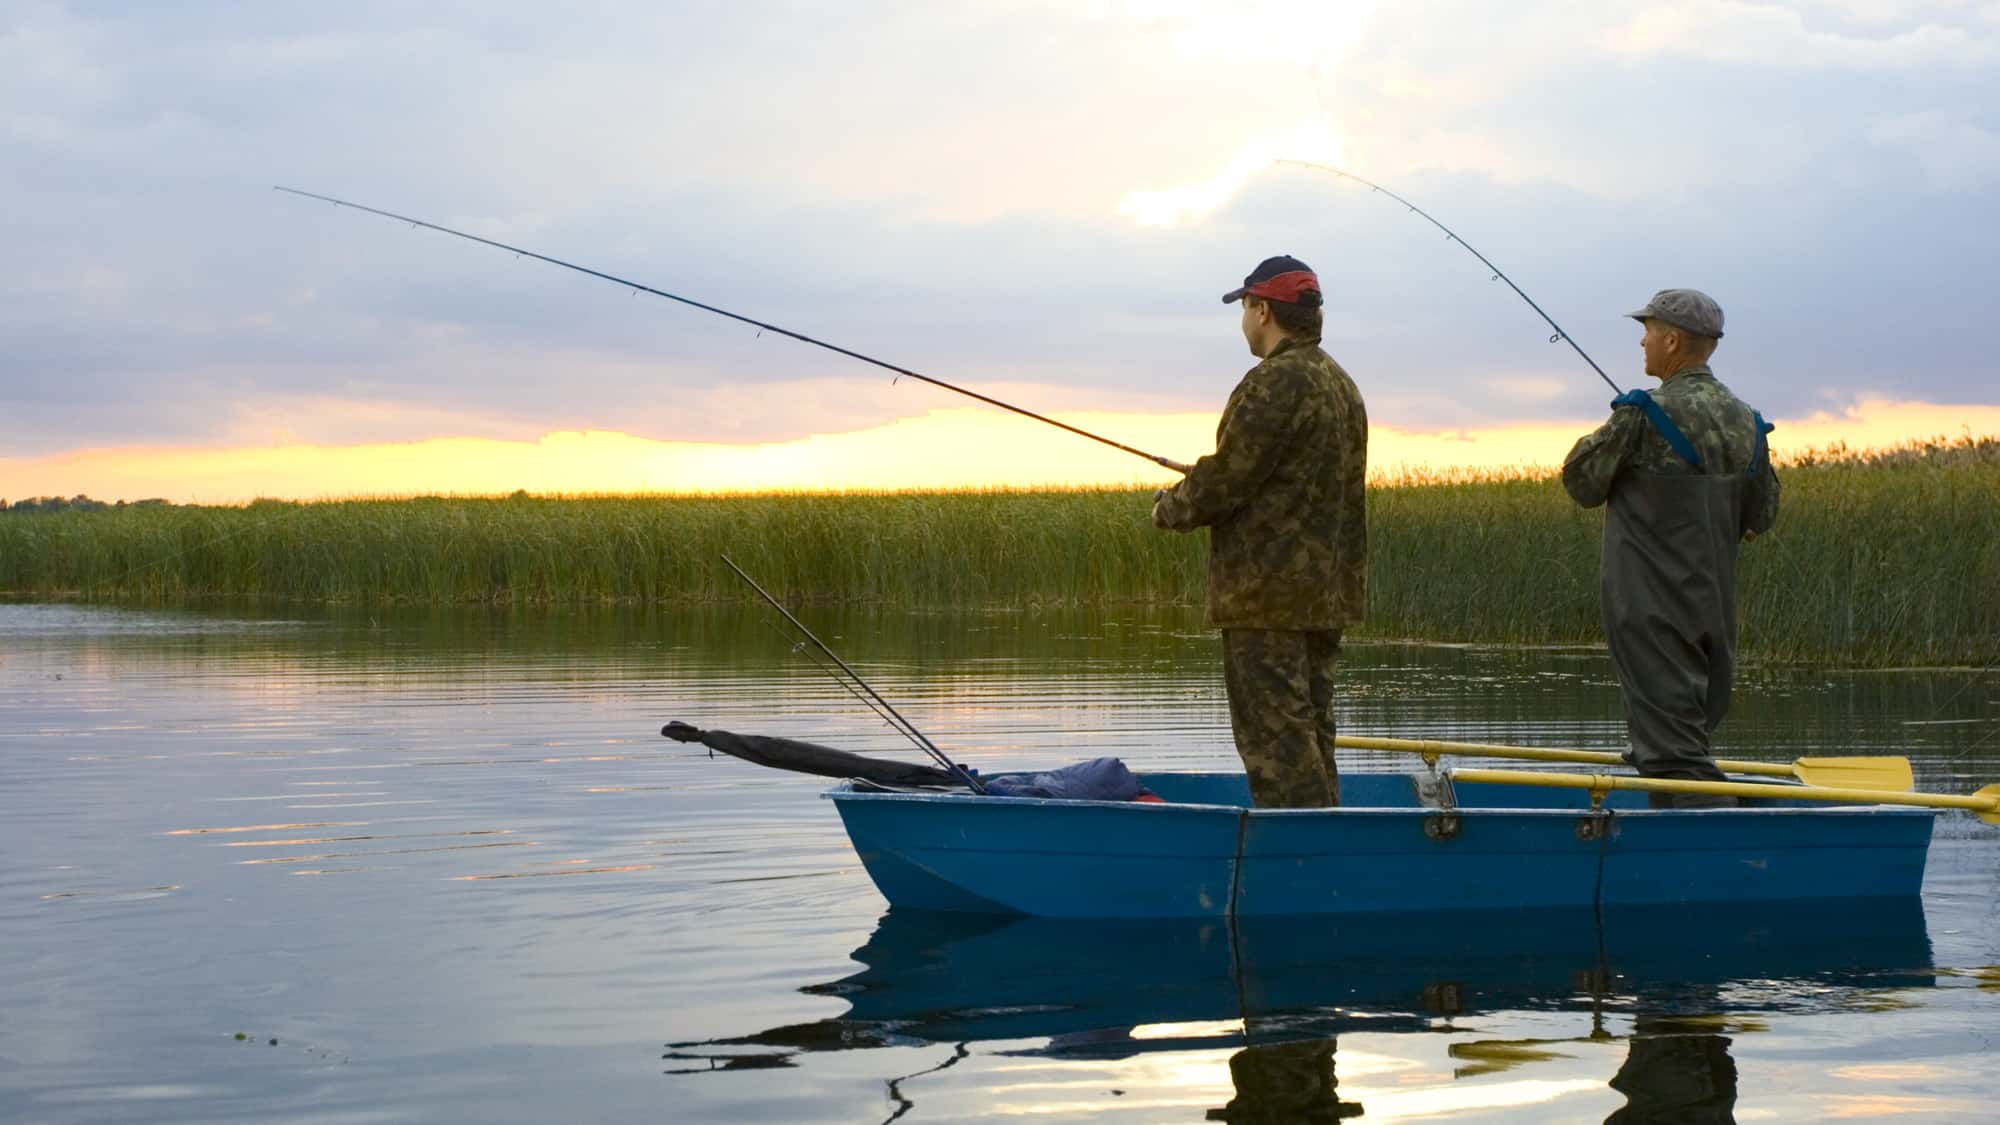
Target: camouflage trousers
1280,685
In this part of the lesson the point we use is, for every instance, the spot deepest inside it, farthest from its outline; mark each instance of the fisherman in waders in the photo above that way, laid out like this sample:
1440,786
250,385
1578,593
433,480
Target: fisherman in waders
1685,476
1288,536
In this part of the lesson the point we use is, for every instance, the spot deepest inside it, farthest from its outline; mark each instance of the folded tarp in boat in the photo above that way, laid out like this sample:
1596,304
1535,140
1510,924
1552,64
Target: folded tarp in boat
807,757
1100,779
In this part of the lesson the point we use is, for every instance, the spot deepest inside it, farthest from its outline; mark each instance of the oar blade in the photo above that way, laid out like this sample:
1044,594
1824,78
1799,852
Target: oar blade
1886,773
1992,814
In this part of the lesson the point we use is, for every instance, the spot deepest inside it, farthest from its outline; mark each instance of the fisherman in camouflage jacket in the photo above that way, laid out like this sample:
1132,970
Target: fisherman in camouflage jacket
1685,476
1282,497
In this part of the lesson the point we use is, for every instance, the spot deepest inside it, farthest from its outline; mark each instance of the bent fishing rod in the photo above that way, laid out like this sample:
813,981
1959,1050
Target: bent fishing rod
1498,275
765,326
874,698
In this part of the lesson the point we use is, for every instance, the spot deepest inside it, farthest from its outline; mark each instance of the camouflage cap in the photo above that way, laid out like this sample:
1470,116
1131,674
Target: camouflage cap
1691,309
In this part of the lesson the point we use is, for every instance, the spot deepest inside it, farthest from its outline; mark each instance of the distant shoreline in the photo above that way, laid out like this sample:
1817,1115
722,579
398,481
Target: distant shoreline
1885,559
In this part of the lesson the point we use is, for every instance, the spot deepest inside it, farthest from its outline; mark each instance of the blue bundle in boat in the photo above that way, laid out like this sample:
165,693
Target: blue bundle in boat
1099,779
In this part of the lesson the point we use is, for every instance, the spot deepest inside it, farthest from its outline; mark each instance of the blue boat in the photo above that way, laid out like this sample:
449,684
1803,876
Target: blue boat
1394,846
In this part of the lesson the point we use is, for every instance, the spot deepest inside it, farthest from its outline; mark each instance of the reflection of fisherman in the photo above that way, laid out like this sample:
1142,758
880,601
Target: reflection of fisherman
1282,497
1686,475
1285,1083
1675,1071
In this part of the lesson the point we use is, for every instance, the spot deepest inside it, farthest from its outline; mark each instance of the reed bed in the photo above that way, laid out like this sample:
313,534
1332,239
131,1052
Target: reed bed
1876,560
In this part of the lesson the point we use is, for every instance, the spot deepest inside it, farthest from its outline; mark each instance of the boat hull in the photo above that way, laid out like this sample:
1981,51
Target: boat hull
1202,853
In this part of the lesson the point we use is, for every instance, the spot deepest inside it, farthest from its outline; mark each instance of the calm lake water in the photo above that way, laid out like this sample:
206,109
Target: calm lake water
441,867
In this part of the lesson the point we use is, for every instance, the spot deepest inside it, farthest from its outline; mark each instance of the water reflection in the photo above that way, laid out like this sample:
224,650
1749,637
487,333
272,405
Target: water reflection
343,830
1278,993
949,671
1677,1069
1284,1082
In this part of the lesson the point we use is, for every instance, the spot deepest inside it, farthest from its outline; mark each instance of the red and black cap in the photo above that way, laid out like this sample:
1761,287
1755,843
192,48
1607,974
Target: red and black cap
1283,278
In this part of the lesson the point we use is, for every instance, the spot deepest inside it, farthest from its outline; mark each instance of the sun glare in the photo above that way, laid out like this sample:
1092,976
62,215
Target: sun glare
1314,141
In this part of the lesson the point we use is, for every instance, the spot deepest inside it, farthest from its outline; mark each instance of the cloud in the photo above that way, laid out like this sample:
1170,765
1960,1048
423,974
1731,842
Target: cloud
1317,35
1773,35
940,185
1955,153
1531,388
1314,142
724,412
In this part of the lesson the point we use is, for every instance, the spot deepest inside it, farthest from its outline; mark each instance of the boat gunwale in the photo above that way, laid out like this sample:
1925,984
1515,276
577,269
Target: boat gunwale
844,791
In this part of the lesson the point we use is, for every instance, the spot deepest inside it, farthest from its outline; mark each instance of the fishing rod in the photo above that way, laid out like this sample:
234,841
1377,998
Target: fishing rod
896,722
1498,275
902,725
759,324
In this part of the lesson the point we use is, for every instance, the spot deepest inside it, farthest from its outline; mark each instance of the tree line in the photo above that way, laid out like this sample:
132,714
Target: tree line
79,503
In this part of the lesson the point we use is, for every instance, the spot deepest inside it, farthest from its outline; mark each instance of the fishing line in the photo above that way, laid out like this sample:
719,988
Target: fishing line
1498,275
759,324
1983,740
1977,675
1995,720
1974,678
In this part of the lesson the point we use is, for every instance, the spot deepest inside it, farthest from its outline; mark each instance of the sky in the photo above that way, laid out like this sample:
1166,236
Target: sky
1041,201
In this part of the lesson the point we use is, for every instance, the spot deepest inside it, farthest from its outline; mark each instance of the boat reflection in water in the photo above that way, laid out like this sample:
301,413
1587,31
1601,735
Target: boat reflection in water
1279,991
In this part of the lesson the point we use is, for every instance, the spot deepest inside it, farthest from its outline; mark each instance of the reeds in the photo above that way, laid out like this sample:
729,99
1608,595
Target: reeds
1884,559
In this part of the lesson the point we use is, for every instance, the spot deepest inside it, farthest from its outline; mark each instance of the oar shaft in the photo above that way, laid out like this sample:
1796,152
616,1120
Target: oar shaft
1986,802
1531,753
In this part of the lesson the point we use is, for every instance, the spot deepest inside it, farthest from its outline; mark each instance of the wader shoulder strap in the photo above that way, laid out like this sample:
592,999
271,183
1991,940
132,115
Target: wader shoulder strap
1763,451
1657,415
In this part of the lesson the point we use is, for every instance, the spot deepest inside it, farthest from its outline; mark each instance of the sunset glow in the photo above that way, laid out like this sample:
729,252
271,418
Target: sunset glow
957,448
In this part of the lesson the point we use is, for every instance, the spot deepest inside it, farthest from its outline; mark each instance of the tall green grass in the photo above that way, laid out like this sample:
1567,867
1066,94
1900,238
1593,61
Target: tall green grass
917,548
1874,561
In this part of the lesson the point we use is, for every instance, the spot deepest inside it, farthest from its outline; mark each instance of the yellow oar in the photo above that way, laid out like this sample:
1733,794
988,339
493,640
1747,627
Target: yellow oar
1888,774
1985,803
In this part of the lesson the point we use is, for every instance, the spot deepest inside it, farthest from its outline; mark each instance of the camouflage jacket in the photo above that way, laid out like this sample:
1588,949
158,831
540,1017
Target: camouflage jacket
1282,497
1720,426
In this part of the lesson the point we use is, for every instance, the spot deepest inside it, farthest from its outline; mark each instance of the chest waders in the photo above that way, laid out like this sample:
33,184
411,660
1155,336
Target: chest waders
1668,588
